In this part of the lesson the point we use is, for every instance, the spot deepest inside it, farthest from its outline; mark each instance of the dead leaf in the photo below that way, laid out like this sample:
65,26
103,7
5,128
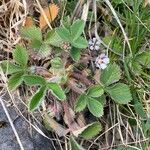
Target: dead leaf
147,2
51,13
58,128
29,22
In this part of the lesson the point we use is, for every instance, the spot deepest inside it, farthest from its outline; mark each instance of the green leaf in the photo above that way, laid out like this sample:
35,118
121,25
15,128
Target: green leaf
144,59
81,103
56,90
91,130
139,109
45,50
57,63
95,91
20,55
76,29
34,80
95,107
37,98
53,38
74,145
80,43
32,33
10,67
15,80
64,33
36,44
120,93
111,74
75,53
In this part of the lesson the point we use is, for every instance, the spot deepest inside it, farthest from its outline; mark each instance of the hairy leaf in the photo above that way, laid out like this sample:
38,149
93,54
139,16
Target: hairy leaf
120,93
15,80
56,90
75,53
64,33
32,33
37,98
20,55
91,130
144,59
81,103
95,107
10,67
53,38
111,74
77,28
95,91
80,43
34,80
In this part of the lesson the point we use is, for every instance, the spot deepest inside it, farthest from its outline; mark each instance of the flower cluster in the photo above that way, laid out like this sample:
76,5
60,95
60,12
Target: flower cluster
102,61
94,44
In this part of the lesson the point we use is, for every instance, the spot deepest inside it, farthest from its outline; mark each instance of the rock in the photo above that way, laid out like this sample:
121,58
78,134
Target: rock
30,142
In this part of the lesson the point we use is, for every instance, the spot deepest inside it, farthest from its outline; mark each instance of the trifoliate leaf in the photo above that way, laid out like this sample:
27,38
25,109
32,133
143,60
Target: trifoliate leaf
95,91
37,98
34,80
120,93
95,107
56,90
20,55
81,103
76,29
15,80
111,74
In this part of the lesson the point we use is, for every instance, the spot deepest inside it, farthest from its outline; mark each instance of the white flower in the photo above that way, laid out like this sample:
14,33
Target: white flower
94,44
102,61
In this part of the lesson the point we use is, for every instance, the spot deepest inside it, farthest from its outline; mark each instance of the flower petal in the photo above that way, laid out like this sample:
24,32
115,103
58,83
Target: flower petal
103,66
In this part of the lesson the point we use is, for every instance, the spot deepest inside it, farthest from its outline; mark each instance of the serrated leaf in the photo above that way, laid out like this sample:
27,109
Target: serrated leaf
15,80
95,107
81,103
37,98
56,90
111,74
74,145
20,55
10,67
75,53
35,44
53,38
64,34
139,109
44,50
76,29
34,80
120,93
91,130
144,59
32,33
95,91
80,43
